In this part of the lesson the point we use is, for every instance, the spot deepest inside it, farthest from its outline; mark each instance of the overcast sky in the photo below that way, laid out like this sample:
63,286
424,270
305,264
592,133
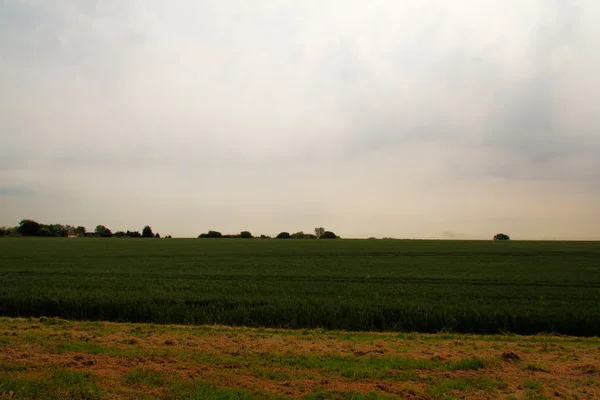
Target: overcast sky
408,119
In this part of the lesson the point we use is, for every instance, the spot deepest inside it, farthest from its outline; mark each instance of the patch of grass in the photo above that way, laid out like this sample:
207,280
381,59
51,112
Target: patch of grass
469,363
535,390
533,385
11,366
208,391
320,394
79,385
144,377
61,384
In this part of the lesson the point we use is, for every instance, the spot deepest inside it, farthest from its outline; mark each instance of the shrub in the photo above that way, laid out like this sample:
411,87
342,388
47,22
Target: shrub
283,235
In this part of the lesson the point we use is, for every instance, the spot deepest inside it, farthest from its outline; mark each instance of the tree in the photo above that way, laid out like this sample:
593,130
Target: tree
120,234
283,235
28,227
501,236
44,232
246,235
57,230
319,232
80,230
147,232
329,235
103,231
157,235
133,234
211,234
298,235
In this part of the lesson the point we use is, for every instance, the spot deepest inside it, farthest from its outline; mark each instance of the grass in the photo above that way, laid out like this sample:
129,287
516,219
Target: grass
59,384
55,359
374,285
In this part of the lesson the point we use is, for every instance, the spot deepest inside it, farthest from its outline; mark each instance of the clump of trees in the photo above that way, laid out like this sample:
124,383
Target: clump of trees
217,235
320,233
501,236
302,235
8,231
210,234
29,227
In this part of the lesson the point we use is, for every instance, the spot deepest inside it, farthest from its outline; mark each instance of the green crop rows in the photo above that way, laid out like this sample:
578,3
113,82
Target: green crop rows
392,285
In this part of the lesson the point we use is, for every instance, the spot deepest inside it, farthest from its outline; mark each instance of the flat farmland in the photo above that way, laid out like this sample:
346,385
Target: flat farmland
481,287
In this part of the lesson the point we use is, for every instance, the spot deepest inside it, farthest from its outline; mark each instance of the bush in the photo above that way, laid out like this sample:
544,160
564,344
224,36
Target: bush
501,236
283,235
329,235
246,235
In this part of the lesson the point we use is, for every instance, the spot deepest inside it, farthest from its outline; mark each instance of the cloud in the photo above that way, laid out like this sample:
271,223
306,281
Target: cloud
380,118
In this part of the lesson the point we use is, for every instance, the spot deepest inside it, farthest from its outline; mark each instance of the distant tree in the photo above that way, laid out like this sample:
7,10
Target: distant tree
133,234
157,235
28,227
120,234
283,235
319,232
298,235
246,235
80,230
211,234
265,237
147,232
103,231
169,237
501,236
328,235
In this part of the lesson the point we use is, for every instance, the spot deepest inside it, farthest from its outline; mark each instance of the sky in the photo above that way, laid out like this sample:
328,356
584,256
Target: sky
407,119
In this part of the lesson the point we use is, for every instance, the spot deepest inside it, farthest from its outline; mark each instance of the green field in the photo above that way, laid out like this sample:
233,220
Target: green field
389,285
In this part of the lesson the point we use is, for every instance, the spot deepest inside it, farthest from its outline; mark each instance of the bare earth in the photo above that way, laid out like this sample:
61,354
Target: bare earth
131,361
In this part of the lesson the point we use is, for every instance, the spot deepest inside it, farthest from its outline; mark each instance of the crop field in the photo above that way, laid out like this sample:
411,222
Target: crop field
482,287
48,358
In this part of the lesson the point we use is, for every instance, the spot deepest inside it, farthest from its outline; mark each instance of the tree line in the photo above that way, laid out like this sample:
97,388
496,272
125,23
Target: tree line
320,233
29,227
